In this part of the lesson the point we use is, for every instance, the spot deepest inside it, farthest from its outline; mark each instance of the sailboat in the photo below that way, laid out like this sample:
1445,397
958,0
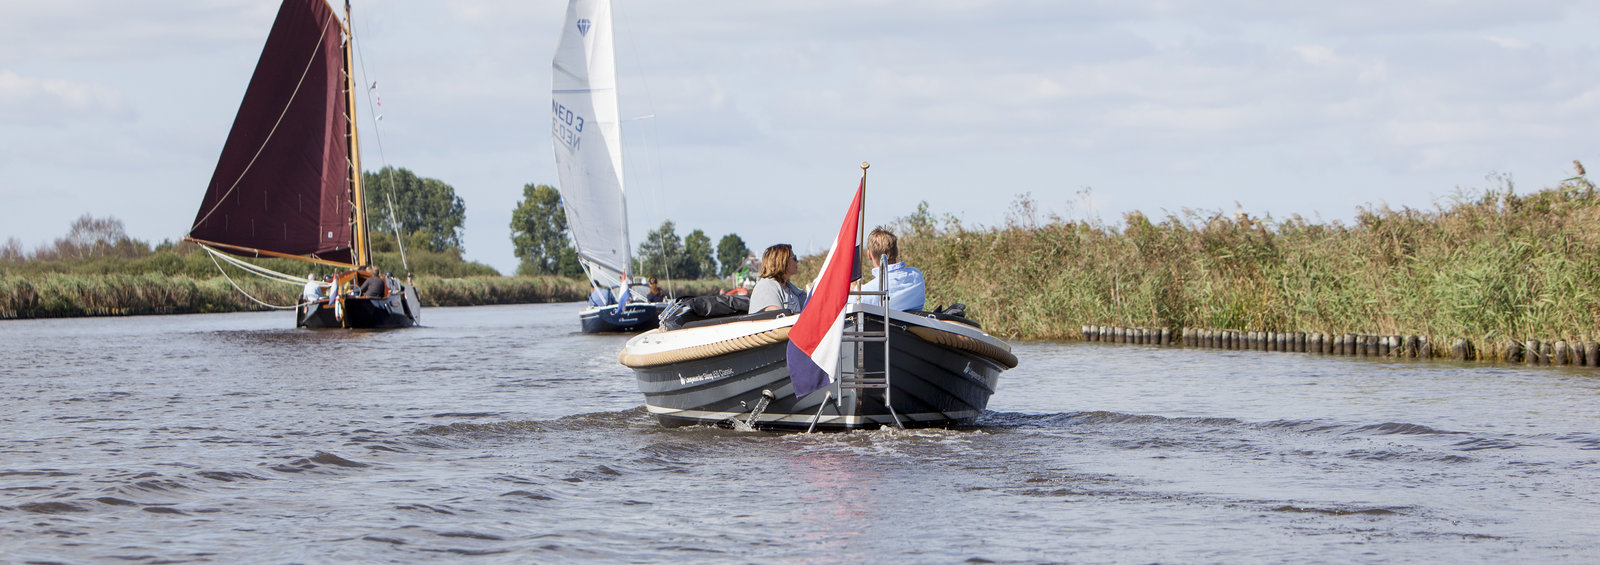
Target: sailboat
587,136
288,182
891,368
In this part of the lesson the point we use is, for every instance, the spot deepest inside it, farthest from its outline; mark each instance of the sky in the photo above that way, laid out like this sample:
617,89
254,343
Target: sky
752,118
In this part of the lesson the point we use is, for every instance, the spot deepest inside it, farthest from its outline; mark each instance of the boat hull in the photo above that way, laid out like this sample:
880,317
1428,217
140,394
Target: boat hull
400,310
931,385
635,317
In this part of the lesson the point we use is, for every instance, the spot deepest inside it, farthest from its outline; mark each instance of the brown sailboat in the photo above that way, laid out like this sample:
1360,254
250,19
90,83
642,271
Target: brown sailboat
288,182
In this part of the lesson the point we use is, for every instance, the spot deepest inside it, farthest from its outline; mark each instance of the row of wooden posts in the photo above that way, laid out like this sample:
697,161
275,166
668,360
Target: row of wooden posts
1532,352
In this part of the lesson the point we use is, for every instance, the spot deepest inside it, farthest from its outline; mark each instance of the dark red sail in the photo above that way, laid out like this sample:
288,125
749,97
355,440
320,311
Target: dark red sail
282,183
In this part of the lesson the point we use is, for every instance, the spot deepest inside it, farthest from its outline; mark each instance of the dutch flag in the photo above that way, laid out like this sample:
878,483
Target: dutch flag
627,288
813,355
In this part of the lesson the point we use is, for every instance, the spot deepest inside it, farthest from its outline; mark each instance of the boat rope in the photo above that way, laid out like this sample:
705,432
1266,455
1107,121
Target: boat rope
263,147
241,289
260,271
958,341
645,144
741,343
373,101
778,335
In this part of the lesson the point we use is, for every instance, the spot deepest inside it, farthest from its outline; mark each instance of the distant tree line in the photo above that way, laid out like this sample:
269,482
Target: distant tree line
88,238
427,212
429,218
540,237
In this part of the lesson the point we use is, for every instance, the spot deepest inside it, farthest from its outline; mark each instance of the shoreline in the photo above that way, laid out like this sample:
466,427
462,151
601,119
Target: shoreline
62,295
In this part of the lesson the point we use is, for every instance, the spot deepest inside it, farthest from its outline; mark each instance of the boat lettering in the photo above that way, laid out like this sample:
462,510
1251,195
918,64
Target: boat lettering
717,374
971,374
565,126
566,116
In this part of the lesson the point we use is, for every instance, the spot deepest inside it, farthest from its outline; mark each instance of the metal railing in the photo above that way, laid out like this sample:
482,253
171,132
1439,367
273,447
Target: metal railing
859,377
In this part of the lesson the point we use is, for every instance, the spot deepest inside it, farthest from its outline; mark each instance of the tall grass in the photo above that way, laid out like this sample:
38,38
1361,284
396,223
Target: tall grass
54,295
63,295
1483,266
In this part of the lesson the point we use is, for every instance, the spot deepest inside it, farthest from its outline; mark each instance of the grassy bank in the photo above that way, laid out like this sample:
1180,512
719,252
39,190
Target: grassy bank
179,278
1485,267
56,295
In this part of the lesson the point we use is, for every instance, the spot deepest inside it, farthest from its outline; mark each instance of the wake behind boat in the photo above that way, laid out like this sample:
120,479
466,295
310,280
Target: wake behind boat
587,135
710,363
288,182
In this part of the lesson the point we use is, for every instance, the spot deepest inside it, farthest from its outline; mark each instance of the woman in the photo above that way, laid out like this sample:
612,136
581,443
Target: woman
655,294
774,291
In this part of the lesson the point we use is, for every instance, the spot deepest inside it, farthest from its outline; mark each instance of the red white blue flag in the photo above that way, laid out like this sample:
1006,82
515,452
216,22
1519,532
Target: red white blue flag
814,341
627,290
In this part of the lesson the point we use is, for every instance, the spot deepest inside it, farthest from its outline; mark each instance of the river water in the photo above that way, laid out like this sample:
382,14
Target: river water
501,435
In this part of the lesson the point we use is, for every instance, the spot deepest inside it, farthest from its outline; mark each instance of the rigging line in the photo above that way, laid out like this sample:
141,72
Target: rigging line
274,130
655,194
246,294
377,134
260,271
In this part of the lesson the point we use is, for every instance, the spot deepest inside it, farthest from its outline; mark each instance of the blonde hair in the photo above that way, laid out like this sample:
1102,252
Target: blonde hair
883,242
775,262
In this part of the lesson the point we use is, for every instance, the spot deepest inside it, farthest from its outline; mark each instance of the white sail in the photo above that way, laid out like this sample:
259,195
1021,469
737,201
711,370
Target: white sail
585,127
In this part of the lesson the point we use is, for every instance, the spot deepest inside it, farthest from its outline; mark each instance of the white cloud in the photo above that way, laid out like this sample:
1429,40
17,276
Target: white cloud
1149,101
38,101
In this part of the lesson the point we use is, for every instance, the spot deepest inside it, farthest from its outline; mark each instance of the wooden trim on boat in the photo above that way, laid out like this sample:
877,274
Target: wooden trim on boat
260,252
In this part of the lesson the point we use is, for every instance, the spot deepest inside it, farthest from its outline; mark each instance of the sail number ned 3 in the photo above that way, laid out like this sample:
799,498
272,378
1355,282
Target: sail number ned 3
565,125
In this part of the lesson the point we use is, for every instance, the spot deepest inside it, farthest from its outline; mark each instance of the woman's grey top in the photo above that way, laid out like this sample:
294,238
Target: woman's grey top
770,292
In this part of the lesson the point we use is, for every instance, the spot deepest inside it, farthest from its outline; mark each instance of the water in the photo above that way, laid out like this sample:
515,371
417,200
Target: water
500,435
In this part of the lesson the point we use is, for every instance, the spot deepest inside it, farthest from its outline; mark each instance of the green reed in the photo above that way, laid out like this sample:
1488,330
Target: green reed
54,295
1483,267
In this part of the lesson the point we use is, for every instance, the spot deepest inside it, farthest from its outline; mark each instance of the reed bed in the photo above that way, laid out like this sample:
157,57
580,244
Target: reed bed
56,295
1484,267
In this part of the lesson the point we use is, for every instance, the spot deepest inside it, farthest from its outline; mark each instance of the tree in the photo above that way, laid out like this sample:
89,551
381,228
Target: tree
421,205
731,252
661,253
697,262
539,234
12,251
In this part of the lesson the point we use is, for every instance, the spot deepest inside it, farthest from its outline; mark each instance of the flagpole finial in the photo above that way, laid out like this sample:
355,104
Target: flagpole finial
864,166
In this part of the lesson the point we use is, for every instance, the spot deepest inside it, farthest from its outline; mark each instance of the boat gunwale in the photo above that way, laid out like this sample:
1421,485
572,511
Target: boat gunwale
650,349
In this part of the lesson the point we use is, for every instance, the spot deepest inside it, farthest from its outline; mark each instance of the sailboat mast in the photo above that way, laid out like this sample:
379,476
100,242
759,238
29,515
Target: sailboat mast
360,251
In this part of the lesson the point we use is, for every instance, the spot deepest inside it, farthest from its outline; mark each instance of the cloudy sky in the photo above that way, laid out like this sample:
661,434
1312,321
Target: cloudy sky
753,116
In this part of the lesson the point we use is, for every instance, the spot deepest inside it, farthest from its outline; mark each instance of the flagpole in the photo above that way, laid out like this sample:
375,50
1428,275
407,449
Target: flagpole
861,317
861,223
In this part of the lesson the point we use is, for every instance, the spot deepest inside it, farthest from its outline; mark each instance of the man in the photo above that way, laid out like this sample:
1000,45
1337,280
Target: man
601,296
373,287
907,289
313,290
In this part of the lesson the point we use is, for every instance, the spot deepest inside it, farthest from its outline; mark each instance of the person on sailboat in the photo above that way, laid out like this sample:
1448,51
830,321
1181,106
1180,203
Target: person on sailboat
774,291
655,294
907,288
314,289
601,296
373,287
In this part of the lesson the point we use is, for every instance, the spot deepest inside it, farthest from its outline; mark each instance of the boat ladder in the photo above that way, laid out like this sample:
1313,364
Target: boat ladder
858,377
